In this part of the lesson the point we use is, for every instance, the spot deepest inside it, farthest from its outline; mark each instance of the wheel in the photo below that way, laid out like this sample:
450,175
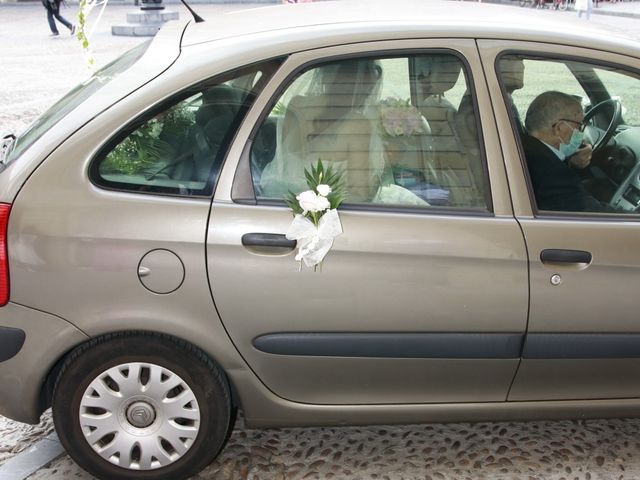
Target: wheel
141,406
598,137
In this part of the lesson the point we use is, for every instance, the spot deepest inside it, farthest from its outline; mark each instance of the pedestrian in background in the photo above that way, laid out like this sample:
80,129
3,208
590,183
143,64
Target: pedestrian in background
584,6
53,10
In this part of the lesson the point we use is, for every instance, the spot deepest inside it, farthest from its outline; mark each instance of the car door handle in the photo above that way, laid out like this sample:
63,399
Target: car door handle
553,255
275,240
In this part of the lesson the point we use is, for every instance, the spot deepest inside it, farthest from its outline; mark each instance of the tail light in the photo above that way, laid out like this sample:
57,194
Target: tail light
5,208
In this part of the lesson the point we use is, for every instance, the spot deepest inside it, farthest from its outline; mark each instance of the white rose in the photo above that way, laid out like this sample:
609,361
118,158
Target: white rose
323,189
311,202
307,200
322,203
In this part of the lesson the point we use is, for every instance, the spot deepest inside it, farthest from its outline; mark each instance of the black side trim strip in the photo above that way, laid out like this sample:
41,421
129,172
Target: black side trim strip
11,342
582,345
393,345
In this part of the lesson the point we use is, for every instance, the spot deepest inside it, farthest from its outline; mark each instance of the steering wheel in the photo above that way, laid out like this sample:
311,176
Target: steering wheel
593,133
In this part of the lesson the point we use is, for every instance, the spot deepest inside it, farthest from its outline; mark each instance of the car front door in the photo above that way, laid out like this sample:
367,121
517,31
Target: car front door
423,298
583,339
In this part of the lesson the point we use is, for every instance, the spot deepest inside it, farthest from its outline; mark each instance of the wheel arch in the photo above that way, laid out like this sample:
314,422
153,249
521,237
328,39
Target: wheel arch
49,383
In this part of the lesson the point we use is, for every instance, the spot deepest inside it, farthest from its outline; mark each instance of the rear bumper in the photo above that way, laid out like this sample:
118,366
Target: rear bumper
35,341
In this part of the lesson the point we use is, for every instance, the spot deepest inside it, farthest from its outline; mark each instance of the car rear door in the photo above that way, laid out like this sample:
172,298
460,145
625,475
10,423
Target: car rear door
413,304
583,339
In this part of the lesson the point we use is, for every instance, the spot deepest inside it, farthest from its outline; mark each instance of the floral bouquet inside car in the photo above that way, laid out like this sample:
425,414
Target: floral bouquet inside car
316,222
400,118
402,124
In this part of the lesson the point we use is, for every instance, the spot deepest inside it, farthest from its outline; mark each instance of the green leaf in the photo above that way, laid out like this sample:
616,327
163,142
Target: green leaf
292,202
315,175
310,180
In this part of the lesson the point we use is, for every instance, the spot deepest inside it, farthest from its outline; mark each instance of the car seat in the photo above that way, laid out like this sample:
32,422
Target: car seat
214,120
329,121
451,165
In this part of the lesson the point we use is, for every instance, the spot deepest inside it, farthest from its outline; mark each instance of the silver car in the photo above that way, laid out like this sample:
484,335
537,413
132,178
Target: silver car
488,264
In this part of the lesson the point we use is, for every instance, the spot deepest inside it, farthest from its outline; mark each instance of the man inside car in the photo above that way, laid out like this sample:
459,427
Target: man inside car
555,152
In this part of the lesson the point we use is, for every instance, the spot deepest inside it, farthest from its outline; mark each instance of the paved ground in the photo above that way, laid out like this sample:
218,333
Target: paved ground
35,70
590,450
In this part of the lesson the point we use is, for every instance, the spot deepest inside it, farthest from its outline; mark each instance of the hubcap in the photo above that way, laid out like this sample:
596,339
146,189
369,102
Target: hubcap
139,416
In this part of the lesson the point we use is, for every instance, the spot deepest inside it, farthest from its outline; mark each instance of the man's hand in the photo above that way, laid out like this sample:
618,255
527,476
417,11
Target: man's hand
582,158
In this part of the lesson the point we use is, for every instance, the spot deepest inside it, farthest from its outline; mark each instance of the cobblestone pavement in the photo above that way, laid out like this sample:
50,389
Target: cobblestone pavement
565,450
16,437
36,70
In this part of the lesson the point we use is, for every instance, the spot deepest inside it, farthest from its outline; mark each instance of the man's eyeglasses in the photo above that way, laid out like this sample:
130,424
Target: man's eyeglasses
580,126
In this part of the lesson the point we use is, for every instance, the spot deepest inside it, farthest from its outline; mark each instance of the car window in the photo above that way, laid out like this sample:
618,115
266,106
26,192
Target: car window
402,130
578,124
627,89
178,148
539,75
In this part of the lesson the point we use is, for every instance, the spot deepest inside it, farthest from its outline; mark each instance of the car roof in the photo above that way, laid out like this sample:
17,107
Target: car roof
359,20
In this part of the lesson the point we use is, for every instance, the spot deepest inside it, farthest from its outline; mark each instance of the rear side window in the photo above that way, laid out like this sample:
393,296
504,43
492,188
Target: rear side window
178,148
402,129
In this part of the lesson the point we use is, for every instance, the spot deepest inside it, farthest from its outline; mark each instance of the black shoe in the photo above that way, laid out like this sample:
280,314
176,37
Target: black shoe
73,30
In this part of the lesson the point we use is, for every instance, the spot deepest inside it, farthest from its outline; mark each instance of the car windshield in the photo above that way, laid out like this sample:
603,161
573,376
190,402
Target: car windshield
624,87
75,97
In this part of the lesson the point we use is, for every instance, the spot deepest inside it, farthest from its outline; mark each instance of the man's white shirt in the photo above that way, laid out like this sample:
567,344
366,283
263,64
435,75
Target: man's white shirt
558,153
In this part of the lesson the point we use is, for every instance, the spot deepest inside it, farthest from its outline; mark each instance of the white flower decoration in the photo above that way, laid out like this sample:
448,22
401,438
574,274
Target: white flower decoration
311,202
324,189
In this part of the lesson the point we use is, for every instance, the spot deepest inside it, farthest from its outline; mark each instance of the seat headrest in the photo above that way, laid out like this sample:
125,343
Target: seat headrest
220,94
221,102
350,82
437,73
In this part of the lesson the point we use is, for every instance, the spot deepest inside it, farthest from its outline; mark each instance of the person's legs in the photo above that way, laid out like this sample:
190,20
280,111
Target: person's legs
61,19
52,23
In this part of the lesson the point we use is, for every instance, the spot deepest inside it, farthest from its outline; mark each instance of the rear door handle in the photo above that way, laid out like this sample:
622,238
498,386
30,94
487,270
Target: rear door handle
553,255
275,240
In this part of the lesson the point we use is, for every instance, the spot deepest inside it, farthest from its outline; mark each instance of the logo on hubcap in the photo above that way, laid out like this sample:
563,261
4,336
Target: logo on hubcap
140,415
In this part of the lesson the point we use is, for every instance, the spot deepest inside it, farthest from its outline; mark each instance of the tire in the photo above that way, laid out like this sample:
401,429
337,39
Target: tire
141,406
